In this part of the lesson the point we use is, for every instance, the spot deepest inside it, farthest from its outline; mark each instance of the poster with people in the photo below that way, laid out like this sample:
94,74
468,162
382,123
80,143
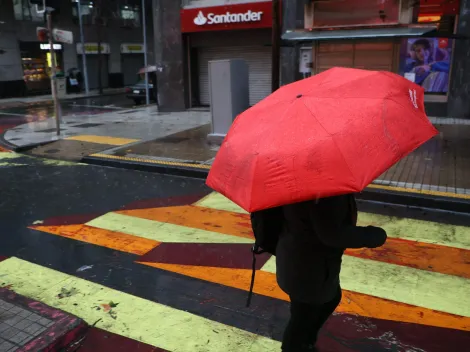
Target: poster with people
426,61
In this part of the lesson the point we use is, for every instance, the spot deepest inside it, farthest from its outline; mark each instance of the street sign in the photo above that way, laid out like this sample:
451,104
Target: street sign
62,36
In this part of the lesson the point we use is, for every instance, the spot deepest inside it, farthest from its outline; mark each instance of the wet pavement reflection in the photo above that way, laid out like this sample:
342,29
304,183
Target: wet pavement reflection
13,115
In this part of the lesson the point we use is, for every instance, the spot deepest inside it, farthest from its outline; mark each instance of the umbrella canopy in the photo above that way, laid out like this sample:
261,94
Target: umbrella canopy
326,135
150,69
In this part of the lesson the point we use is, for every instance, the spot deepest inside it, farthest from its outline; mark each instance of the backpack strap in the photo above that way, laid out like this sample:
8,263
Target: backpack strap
255,250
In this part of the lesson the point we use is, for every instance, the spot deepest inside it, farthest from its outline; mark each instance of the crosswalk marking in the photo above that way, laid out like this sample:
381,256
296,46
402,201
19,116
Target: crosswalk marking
110,239
160,231
410,229
405,280
421,288
134,317
352,303
229,223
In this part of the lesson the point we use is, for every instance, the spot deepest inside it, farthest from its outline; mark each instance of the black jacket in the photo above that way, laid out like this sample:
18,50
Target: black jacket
311,245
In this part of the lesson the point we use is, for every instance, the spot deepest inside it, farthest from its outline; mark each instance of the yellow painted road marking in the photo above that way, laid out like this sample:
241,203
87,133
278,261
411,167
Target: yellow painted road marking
409,229
135,318
419,230
102,139
220,202
8,159
160,231
445,293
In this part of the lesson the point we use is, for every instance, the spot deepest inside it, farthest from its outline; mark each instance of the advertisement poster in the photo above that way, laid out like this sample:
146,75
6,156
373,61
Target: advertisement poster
426,61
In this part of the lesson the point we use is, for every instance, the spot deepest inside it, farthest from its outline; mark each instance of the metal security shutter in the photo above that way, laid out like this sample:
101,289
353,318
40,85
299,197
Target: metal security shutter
131,64
92,68
258,59
358,54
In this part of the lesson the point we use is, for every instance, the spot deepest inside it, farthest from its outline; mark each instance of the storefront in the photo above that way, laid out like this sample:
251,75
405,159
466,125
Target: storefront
93,63
412,39
36,61
132,60
241,31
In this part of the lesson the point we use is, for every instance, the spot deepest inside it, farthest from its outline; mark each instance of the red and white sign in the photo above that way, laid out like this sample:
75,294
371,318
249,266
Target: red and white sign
62,36
217,18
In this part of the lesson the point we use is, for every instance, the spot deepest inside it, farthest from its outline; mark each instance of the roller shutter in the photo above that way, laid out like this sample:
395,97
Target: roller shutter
258,59
358,54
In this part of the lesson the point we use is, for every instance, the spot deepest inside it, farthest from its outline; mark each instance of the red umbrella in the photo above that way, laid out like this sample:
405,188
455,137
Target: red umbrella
326,135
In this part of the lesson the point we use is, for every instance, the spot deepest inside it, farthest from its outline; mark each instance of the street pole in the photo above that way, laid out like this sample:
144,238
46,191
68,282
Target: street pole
53,73
82,40
147,98
276,46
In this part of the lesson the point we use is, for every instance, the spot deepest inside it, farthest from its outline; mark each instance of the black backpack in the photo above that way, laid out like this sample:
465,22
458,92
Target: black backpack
267,226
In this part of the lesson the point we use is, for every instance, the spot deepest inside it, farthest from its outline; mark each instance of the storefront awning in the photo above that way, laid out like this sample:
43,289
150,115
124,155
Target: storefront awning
301,36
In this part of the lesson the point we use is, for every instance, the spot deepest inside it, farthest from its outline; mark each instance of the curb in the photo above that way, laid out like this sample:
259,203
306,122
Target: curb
22,148
162,167
414,199
65,332
374,194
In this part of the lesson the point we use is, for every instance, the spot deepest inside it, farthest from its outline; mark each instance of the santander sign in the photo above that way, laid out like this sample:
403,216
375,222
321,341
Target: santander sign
228,17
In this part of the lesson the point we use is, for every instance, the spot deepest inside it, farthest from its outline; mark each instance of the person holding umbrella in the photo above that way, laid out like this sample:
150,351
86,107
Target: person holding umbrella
308,258
301,154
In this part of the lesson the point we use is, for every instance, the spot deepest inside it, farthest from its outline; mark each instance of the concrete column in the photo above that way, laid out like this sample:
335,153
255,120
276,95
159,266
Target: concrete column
11,70
292,18
459,89
168,49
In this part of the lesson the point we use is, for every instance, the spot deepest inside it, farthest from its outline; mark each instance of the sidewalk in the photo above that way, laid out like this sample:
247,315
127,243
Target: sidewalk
40,99
27,325
83,135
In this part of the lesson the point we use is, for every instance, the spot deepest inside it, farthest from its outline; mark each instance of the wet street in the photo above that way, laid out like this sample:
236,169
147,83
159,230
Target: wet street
12,114
158,263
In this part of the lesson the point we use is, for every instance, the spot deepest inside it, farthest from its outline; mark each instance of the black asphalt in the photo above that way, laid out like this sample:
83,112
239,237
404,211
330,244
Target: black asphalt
33,189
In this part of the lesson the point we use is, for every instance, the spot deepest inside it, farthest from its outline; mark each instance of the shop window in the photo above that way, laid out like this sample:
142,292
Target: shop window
26,12
130,15
426,62
344,13
86,8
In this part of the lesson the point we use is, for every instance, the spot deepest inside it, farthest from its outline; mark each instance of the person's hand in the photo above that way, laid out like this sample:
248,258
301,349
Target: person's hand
423,69
377,235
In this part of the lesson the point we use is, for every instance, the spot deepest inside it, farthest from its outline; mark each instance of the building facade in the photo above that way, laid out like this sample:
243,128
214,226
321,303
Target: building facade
25,60
425,41
190,33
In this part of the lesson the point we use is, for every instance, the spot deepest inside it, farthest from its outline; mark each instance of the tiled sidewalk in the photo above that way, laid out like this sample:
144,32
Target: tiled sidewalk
26,325
442,164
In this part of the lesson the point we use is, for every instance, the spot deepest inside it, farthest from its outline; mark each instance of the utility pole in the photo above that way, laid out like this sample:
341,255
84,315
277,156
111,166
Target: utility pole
53,71
276,46
144,28
82,40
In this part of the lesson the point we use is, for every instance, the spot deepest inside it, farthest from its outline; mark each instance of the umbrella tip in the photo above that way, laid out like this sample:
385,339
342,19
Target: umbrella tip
299,96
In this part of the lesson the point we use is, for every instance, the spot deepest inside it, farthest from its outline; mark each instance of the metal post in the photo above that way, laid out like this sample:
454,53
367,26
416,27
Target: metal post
53,73
82,40
276,46
147,98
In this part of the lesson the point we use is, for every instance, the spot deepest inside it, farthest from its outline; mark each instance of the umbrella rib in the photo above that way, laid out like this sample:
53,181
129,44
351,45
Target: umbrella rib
334,141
